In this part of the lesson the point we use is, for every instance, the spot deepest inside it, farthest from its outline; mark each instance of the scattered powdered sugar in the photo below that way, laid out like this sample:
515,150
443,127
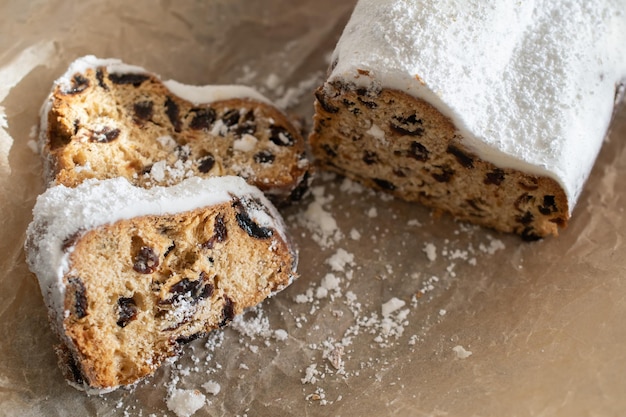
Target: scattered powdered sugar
356,307
212,387
184,402
461,352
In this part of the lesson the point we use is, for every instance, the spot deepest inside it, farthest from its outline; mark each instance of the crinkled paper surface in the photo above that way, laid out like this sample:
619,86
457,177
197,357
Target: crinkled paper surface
395,313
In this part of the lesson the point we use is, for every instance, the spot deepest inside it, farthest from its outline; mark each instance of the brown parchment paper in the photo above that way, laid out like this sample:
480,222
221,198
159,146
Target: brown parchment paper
544,322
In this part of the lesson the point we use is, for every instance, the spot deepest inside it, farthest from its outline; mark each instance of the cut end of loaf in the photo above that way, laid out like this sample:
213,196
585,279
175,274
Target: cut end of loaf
139,289
103,125
394,142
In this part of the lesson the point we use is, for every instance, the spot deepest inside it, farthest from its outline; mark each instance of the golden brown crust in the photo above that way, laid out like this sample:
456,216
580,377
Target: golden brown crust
111,125
140,288
400,144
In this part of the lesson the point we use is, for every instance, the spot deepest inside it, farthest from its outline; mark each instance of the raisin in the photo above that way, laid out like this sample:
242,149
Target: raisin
79,84
247,124
104,135
248,225
173,113
329,150
463,158
523,201
194,291
185,287
70,241
183,340
529,235
264,157
321,99
100,78
143,110
202,119
128,79
526,219
127,311
80,296
495,177
300,191
411,126
228,311
206,164
182,152
220,232
418,152
169,249
384,184
477,204
368,104
529,184
77,373
398,172
281,136
445,175
370,158
207,288
549,205
146,261
231,117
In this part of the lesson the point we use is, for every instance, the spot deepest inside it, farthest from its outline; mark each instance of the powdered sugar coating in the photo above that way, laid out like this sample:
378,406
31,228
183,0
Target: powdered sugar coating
530,85
61,212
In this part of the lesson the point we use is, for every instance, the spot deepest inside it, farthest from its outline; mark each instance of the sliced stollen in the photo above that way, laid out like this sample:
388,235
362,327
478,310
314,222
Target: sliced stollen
493,111
106,119
130,274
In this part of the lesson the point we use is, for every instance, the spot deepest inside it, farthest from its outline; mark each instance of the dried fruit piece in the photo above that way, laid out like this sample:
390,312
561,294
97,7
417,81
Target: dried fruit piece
100,78
220,233
127,311
281,136
173,113
370,158
79,84
411,126
264,157
384,184
206,163
202,118
549,205
321,99
445,173
231,117
79,294
495,177
146,261
248,225
143,110
418,151
105,135
131,78
228,311
463,158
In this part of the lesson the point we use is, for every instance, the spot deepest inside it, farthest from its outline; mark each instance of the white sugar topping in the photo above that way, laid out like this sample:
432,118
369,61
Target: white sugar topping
60,212
530,85
192,93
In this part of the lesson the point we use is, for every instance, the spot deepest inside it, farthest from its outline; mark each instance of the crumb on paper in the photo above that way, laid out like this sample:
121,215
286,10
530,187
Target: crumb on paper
185,402
391,306
212,387
431,251
461,352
